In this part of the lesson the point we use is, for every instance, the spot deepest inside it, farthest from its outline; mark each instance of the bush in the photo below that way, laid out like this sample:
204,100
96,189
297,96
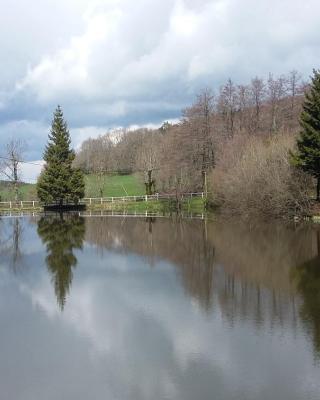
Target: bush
254,176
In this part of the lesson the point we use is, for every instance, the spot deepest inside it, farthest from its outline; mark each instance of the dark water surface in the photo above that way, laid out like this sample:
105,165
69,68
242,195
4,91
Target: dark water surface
145,308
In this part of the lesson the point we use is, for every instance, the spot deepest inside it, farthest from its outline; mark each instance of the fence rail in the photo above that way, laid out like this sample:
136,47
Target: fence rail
30,204
90,201
158,196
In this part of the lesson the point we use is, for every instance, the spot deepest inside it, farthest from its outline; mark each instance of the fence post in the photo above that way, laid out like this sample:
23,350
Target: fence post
202,194
33,204
21,205
10,204
90,201
146,197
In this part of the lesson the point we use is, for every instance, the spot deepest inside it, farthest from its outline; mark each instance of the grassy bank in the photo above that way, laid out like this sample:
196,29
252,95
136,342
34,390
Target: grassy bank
110,186
113,186
27,191
95,186
196,206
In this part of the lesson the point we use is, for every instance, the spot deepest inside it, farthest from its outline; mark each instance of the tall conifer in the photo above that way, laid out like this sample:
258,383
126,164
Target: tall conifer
308,155
59,182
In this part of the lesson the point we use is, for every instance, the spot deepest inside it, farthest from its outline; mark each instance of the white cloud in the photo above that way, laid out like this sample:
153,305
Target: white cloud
30,172
32,133
26,33
218,38
80,134
119,62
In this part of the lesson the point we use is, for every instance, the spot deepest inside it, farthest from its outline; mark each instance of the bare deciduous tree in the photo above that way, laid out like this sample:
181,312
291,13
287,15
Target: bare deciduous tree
10,163
228,102
275,93
197,134
294,89
257,95
148,159
243,105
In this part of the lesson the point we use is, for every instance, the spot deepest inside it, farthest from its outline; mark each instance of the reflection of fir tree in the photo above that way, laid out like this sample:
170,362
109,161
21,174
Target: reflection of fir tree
307,276
61,235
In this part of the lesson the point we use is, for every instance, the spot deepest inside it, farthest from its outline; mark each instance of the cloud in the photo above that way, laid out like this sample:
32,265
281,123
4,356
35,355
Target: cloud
25,35
81,134
119,63
32,133
30,172
137,50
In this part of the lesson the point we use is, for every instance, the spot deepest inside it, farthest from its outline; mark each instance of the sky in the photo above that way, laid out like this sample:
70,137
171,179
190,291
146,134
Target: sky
112,63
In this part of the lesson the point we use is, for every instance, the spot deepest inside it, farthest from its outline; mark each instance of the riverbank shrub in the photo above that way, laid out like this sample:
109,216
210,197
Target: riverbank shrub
254,175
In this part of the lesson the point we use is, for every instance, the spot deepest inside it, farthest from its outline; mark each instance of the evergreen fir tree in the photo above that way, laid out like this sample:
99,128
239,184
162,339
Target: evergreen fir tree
59,182
308,155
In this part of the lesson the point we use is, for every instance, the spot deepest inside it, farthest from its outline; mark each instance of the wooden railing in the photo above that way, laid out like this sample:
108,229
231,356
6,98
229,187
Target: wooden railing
90,201
23,205
158,196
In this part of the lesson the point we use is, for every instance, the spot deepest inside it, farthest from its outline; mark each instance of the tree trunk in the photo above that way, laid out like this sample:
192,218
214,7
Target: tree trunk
16,192
149,183
15,178
318,188
204,182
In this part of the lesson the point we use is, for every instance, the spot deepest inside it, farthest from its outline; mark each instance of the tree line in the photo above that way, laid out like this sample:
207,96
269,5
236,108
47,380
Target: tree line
198,151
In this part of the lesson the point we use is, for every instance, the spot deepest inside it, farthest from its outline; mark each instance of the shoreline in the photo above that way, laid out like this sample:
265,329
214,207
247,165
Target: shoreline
157,206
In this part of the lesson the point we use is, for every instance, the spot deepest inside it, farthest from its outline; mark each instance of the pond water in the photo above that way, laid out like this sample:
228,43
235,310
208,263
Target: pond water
158,308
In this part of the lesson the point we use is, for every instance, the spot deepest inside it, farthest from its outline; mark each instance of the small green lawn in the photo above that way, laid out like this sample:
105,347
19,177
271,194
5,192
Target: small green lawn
196,206
113,185
26,192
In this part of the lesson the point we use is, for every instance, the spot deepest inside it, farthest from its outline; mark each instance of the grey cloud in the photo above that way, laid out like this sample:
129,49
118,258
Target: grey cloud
32,133
122,62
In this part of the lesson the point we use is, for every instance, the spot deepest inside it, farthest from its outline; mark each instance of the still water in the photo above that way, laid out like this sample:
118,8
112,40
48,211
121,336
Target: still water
156,308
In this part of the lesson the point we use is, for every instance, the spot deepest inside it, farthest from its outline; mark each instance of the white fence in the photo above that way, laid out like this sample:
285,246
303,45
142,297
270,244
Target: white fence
122,199
9,205
91,201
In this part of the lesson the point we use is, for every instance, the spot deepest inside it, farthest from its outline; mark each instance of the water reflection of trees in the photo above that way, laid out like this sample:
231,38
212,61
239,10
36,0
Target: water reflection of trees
61,234
307,278
180,241
252,278
246,269
10,242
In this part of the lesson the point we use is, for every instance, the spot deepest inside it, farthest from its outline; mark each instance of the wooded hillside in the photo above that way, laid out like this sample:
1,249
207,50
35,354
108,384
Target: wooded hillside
209,140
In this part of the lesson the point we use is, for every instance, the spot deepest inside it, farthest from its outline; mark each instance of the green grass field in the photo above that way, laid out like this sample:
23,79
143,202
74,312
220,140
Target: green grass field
196,206
106,185
113,185
109,186
26,192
